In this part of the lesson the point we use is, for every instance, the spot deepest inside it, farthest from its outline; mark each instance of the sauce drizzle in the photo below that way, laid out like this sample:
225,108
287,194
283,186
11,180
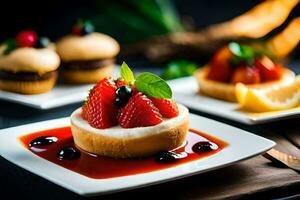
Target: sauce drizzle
64,153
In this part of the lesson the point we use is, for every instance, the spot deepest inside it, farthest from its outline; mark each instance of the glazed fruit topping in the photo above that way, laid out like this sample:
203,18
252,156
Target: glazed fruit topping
42,42
220,66
139,112
246,75
99,109
129,101
43,141
166,157
268,70
204,146
26,38
237,63
123,93
169,156
167,107
82,28
68,153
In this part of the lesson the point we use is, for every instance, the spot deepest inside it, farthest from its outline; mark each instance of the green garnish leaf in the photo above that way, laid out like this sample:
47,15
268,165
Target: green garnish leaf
153,86
242,53
10,46
179,68
126,73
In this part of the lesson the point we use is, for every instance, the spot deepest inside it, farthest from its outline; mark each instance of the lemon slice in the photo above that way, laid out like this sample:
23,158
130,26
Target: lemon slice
270,99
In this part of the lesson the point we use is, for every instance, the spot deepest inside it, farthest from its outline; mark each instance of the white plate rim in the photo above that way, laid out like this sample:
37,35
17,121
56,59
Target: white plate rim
228,114
13,151
53,99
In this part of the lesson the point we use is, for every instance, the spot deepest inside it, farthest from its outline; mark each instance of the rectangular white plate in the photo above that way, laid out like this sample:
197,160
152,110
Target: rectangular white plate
185,92
60,95
242,145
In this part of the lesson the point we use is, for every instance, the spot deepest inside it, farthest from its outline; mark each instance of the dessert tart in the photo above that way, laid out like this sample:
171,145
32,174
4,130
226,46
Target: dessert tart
87,56
130,117
28,64
237,63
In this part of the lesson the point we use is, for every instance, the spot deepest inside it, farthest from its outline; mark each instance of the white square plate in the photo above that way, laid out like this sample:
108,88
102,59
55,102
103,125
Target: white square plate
242,145
185,92
60,95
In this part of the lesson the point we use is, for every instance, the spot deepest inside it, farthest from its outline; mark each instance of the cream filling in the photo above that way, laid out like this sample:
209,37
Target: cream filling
27,59
88,47
119,132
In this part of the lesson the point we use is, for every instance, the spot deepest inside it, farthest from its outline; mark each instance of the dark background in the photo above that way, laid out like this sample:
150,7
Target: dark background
54,18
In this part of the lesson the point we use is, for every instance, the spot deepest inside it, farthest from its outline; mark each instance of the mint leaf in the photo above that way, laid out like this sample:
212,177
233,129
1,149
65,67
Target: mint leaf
126,73
153,86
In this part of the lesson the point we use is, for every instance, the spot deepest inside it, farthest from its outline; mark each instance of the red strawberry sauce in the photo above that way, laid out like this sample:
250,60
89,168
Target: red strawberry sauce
99,167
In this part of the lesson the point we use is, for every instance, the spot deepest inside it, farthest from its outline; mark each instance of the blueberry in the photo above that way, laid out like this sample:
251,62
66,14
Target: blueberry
124,91
120,103
42,42
68,153
87,28
204,146
166,157
43,141
123,95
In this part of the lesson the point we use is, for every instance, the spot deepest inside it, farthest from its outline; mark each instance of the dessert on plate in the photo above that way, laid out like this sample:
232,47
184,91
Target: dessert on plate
236,63
28,64
87,56
130,117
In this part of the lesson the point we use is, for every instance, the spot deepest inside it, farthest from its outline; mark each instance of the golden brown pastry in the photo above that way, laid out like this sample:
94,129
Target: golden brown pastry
87,56
28,68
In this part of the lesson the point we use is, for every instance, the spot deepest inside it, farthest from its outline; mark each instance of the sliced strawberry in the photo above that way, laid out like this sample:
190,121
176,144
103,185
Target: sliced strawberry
220,66
268,70
100,110
167,107
246,75
139,112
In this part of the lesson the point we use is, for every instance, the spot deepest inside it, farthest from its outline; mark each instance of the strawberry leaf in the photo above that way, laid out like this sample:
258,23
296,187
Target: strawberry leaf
10,46
153,86
126,73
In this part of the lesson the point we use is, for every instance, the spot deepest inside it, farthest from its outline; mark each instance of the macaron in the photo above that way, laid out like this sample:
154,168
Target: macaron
86,56
28,64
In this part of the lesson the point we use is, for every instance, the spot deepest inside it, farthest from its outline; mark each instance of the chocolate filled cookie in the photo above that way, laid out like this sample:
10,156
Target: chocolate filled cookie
87,56
28,64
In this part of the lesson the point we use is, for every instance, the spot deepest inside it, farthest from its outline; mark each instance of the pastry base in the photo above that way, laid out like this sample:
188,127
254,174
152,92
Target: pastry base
28,87
130,147
226,91
86,76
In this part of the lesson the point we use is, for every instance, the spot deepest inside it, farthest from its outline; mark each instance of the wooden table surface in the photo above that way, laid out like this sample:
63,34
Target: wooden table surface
256,178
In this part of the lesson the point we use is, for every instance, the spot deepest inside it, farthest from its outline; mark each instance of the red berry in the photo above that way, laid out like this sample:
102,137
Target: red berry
268,70
100,110
167,107
134,89
246,75
26,38
139,112
220,66
76,30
